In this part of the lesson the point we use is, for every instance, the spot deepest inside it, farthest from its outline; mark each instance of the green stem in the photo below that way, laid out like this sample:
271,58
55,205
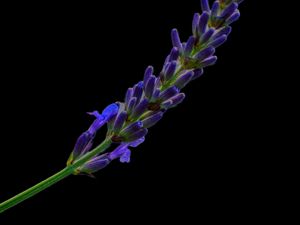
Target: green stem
55,178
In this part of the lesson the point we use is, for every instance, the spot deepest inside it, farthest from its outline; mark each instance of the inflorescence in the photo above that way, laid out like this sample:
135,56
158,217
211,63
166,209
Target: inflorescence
147,101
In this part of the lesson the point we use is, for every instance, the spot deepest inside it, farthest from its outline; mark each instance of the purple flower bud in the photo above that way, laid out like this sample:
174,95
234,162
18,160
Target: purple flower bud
222,31
205,5
152,120
140,109
81,144
205,53
155,95
131,105
189,46
207,35
218,41
173,55
174,101
119,122
203,22
138,91
197,73
234,17
132,128
209,61
170,70
149,88
176,39
215,9
184,79
128,96
137,135
227,12
168,93
148,73
195,23
95,164
125,158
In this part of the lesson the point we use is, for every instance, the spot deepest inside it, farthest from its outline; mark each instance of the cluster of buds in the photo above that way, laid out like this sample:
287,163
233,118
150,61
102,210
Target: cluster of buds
146,103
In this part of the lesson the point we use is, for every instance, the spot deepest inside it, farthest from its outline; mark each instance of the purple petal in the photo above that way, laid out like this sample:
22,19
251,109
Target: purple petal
110,111
96,114
137,142
118,152
125,158
96,125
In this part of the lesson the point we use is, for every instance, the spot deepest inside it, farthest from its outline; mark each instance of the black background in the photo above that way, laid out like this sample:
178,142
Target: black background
60,61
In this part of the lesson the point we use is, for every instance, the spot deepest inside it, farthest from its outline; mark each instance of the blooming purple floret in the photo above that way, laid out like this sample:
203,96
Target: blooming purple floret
85,140
147,102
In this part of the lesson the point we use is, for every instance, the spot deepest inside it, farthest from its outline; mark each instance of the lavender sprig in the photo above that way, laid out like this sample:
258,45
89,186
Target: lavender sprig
147,101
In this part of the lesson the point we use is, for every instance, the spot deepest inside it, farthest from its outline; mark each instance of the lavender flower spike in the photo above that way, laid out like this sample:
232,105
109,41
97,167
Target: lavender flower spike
148,100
